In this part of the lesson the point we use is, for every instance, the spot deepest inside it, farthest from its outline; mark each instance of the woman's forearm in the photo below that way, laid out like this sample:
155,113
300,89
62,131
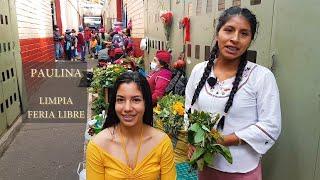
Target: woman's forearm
230,140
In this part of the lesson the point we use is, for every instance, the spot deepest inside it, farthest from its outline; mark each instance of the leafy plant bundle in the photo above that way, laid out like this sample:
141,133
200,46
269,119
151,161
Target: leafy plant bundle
96,124
170,111
204,137
139,61
105,77
99,104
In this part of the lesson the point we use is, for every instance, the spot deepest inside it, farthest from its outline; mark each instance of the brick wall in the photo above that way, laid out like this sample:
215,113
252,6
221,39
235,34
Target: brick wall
37,49
36,38
36,53
135,13
34,18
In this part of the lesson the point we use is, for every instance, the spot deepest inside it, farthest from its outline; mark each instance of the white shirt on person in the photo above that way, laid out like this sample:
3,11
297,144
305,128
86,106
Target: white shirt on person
254,117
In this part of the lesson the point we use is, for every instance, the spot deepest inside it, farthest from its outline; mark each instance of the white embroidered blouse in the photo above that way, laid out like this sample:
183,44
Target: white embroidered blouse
254,117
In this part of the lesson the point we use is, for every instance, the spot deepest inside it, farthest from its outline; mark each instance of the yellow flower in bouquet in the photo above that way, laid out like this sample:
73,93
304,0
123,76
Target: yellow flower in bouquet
157,109
169,117
117,70
170,112
178,107
215,134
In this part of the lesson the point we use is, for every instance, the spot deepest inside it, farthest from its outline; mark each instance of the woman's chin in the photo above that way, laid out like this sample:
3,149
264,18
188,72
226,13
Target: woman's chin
128,123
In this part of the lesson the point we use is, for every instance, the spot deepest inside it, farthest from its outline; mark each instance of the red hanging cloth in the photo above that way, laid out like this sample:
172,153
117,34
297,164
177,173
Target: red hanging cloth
186,25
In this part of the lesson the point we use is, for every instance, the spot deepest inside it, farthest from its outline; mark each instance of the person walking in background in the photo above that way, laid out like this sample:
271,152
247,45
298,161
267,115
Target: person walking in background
93,45
74,44
160,75
87,38
129,147
57,42
98,47
68,43
244,93
81,44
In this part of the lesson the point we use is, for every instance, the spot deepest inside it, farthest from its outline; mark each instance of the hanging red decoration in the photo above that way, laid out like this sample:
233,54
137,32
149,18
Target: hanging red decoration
167,18
186,25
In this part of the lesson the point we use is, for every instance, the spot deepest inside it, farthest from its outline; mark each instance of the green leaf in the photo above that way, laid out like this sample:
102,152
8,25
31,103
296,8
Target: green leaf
98,118
208,157
199,137
224,151
200,164
191,137
198,152
205,128
195,127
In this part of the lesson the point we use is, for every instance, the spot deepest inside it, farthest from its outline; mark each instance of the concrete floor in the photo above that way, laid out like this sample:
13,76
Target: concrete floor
49,148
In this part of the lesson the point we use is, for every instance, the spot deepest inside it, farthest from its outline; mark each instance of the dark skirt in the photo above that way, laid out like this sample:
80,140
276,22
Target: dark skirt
213,174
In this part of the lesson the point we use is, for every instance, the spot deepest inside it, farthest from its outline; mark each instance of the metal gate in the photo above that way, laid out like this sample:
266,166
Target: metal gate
9,48
295,44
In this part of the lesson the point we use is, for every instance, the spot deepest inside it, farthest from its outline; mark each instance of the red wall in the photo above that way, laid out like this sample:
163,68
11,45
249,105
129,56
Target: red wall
119,10
36,53
37,49
58,15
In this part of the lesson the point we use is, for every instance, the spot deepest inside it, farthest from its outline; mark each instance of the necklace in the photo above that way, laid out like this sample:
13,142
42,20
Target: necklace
124,148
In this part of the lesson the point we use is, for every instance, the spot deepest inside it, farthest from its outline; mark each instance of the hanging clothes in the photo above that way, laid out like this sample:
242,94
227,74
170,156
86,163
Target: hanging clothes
186,24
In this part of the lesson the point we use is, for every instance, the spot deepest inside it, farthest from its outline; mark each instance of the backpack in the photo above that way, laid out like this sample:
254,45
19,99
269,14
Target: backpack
117,41
178,83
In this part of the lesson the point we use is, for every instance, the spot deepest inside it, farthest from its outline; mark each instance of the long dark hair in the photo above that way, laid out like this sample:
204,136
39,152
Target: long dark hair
142,83
225,17
164,65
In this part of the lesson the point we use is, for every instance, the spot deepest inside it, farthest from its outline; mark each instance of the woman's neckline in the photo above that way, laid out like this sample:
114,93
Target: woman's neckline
139,163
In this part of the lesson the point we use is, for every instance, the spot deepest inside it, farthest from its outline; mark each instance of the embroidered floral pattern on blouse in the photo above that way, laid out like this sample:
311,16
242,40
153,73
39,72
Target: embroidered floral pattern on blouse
222,89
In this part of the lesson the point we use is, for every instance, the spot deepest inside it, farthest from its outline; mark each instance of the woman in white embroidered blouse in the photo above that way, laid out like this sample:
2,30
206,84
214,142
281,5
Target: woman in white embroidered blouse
246,94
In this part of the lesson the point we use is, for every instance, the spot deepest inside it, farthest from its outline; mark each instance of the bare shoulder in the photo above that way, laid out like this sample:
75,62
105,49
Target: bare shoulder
103,137
156,135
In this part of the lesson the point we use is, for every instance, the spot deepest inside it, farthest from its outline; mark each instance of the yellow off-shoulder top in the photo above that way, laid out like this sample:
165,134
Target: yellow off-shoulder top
158,164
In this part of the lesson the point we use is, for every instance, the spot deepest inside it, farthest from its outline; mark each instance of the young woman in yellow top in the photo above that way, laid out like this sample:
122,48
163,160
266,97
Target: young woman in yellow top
129,147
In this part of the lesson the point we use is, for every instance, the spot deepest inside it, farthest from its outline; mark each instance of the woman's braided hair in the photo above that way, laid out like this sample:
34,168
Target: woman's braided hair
225,16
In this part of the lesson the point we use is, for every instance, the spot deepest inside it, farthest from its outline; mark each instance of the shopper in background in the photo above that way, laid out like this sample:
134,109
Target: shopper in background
57,43
81,44
68,43
160,75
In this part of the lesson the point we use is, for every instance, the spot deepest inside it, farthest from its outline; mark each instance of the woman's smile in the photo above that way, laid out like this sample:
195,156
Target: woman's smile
129,104
127,117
